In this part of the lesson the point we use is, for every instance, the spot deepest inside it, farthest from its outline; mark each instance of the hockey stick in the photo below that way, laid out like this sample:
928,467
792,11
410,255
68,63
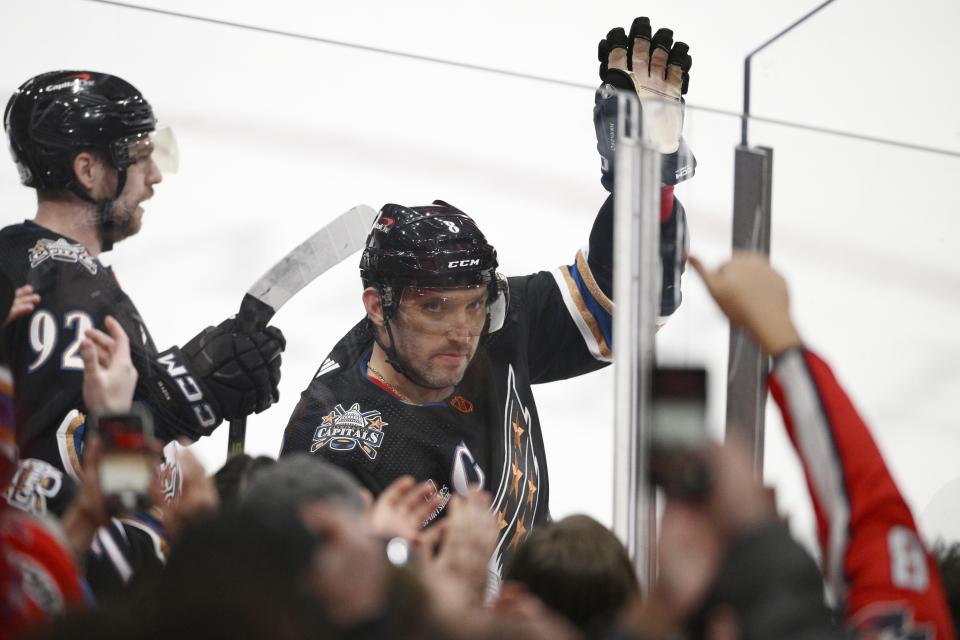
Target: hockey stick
321,251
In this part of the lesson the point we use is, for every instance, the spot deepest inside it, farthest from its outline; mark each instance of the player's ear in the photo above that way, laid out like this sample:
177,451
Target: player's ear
371,302
88,170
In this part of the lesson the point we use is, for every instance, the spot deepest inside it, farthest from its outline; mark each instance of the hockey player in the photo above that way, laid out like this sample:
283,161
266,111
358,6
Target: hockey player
436,380
86,142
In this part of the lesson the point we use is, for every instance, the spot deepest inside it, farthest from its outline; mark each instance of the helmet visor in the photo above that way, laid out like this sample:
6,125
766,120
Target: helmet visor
455,311
159,145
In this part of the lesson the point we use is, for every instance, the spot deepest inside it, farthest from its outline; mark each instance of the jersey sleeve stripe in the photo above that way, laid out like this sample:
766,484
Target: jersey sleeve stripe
595,291
160,546
577,299
797,393
67,442
115,555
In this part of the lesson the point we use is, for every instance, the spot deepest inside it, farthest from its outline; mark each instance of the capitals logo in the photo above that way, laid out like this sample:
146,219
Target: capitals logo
346,430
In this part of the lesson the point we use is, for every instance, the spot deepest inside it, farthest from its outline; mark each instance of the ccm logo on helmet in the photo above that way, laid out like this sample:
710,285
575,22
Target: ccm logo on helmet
463,263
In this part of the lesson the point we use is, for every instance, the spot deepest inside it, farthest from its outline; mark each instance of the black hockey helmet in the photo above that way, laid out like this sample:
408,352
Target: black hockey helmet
435,246
55,115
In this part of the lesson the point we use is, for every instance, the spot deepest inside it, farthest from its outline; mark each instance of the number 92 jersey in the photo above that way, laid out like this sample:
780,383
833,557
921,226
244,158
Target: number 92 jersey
76,293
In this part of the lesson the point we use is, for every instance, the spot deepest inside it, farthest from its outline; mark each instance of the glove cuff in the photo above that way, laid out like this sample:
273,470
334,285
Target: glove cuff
675,167
182,390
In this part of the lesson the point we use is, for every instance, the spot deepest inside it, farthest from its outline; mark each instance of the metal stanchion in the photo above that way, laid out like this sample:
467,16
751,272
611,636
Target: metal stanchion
747,366
637,296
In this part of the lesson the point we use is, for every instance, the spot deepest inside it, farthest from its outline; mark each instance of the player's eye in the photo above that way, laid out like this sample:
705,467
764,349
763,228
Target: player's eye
433,306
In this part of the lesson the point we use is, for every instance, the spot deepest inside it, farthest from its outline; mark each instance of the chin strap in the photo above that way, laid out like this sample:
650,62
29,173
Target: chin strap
103,208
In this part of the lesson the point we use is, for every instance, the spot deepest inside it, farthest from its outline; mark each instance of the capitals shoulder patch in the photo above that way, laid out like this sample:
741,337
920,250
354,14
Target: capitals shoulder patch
62,251
345,430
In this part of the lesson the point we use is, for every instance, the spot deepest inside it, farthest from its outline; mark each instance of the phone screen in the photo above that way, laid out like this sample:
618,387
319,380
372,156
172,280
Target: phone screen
679,408
678,439
127,464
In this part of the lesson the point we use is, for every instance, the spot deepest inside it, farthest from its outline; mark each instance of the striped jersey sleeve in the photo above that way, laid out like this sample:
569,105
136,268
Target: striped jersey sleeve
589,308
874,559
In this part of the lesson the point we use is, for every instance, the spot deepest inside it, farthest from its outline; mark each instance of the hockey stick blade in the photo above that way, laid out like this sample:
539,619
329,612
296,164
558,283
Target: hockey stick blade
326,248
323,250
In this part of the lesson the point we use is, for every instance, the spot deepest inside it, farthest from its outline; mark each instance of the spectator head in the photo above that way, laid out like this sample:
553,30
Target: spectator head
349,571
241,574
579,568
235,475
301,479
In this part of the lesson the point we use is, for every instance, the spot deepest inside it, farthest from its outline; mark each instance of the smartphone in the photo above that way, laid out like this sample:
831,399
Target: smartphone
679,439
127,466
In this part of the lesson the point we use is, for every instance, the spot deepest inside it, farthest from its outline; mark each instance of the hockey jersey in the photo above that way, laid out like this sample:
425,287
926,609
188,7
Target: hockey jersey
873,557
487,432
76,293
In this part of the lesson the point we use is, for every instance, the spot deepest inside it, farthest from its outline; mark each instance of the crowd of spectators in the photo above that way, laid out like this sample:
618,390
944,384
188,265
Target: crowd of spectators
296,548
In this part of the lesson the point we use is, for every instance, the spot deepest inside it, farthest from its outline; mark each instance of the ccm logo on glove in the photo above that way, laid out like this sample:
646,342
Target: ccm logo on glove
191,391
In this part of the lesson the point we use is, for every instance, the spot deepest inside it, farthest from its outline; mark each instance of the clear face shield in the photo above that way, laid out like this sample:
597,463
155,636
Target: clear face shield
454,311
160,145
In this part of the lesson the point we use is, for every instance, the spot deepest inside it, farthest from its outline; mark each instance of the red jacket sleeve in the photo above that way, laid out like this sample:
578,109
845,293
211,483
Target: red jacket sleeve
873,556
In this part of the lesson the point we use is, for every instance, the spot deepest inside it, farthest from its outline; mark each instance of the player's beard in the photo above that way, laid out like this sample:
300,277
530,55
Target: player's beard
430,370
123,215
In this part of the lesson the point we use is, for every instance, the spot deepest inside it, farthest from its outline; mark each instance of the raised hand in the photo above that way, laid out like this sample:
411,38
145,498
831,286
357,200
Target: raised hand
657,69
403,507
754,296
88,511
109,376
457,575
24,302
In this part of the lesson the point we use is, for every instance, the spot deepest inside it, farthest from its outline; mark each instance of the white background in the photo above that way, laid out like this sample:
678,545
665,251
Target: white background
278,135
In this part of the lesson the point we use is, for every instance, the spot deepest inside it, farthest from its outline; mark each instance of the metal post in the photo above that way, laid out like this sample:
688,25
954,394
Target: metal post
636,293
745,118
747,366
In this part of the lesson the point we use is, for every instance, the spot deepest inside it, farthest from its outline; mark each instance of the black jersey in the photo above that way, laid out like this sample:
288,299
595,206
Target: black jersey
76,293
487,432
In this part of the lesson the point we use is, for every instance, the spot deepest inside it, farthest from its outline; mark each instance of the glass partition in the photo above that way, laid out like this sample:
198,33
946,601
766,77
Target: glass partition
866,236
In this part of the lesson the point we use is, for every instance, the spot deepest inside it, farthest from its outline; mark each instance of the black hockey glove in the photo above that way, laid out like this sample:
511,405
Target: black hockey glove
657,70
218,375
241,369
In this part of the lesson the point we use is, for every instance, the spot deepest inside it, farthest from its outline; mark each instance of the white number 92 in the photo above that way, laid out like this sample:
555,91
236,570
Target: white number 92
44,336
